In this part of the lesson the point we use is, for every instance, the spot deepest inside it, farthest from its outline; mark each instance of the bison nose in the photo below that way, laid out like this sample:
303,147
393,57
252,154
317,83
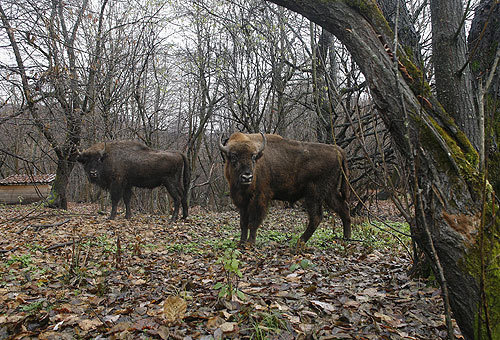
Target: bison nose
93,173
246,178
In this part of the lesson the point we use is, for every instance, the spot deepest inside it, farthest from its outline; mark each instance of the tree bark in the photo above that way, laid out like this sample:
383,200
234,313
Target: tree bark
484,38
446,184
321,89
407,35
449,55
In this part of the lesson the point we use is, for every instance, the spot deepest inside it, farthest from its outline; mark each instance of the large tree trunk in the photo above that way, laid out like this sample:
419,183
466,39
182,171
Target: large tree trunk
447,184
321,89
484,38
449,55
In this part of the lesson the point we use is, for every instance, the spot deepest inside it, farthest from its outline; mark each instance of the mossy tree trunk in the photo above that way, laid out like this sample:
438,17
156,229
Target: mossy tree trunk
446,182
484,40
451,71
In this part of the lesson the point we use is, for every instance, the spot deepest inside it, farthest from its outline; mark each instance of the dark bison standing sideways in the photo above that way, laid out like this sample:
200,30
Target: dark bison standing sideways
260,168
120,165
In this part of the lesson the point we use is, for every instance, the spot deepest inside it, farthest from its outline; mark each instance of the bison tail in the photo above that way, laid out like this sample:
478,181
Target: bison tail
344,180
186,179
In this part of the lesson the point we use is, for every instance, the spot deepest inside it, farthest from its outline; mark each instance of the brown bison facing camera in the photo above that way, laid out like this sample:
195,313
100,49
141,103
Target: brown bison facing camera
120,165
260,168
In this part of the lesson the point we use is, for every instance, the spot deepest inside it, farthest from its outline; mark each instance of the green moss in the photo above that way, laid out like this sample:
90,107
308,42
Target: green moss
494,171
451,158
491,255
492,110
418,85
371,11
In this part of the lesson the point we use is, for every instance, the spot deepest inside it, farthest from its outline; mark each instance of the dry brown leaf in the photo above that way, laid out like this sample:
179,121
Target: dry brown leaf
228,327
214,322
89,324
174,309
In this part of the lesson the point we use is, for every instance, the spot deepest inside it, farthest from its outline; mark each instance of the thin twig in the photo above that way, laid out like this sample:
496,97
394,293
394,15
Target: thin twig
59,245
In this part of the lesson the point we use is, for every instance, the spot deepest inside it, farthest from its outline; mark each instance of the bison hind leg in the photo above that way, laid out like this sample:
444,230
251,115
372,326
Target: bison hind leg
184,205
127,195
176,197
116,193
315,212
340,206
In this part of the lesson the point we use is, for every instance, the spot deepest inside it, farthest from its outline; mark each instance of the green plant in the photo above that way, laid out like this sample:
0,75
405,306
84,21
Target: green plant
222,243
304,264
34,306
190,247
35,246
24,260
231,267
278,236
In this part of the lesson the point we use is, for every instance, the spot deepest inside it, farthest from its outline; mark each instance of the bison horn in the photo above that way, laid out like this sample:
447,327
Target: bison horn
222,147
262,145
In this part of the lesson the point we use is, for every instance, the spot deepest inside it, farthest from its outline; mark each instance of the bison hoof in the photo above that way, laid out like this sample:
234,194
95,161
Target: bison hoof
246,245
301,246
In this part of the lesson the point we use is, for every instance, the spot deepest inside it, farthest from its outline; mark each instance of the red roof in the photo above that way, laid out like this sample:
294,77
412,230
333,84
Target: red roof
28,179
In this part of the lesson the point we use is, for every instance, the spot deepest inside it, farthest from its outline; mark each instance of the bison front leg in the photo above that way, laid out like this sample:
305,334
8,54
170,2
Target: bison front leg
243,225
116,194
257,213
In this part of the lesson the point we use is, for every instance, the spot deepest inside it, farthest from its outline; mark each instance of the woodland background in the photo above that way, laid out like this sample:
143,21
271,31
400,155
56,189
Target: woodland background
179,74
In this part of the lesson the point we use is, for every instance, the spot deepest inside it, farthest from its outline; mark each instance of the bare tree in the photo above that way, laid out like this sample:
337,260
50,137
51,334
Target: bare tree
55,88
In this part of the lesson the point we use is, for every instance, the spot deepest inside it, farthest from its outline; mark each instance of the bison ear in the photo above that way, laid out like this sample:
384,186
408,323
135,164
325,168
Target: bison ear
103,154
81,158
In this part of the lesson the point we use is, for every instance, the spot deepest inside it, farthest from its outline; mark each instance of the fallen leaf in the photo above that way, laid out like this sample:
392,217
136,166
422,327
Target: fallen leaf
174,309
327,307
89,324
228,327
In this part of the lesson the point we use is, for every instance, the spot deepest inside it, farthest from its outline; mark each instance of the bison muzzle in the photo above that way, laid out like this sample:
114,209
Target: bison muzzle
120,165
260,168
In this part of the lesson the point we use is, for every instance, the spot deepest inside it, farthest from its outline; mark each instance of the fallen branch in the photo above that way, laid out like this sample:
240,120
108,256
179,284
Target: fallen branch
59,245
39,227
5,251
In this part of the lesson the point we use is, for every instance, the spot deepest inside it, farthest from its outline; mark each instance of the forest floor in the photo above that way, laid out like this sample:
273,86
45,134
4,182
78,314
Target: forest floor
76,275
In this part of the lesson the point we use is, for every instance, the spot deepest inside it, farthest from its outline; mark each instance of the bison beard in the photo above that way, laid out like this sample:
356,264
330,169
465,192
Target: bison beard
120,165
260,168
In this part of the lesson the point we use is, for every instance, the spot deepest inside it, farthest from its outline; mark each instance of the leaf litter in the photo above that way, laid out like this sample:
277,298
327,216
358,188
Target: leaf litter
148,278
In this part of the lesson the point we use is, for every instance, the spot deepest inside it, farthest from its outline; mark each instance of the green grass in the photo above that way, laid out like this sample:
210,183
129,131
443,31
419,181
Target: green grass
190,247
266,324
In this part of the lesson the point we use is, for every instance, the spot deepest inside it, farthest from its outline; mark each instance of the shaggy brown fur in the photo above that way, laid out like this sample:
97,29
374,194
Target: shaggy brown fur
285,170
120,165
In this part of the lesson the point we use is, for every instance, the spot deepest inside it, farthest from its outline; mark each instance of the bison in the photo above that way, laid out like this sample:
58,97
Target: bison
120,165
260,168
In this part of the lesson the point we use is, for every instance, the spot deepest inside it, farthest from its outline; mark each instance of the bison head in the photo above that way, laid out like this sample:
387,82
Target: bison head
92,160
241,154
